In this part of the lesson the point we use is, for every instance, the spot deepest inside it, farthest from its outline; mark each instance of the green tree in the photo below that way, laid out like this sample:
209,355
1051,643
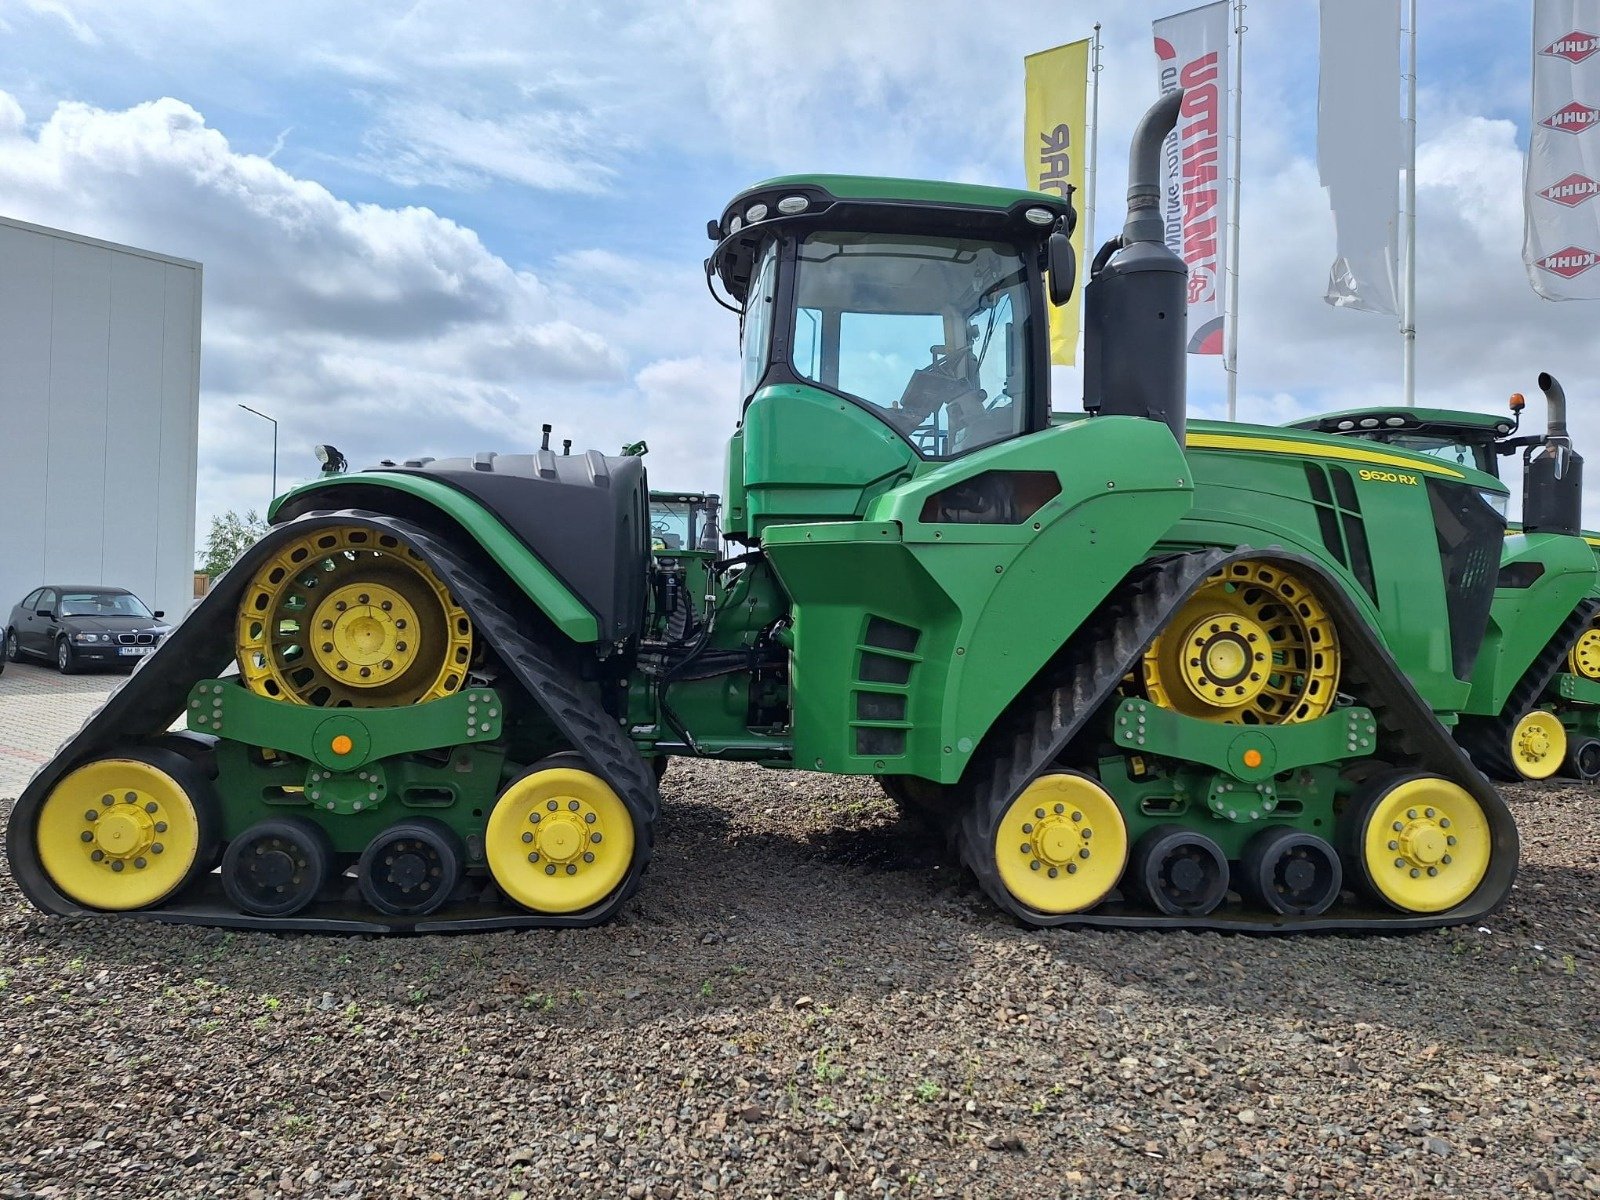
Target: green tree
231,535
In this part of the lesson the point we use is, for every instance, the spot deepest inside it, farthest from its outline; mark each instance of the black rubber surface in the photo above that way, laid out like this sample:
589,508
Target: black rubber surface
201,647
1046,718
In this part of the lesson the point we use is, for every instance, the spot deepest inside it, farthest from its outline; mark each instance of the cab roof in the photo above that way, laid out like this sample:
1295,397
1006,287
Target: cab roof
1445,421
877,203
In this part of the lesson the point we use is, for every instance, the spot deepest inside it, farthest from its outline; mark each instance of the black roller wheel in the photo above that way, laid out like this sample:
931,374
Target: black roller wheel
1290,872
1178,871
277,867
1583,759
410,869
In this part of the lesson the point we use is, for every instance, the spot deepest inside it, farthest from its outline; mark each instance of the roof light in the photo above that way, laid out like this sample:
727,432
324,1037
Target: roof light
1369,422
790,205
1040,216
736,224
756,212
1346,425
1395,421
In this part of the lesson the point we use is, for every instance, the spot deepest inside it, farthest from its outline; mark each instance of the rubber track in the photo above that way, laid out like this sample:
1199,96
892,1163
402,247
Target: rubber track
1043,721
201,647
1488,739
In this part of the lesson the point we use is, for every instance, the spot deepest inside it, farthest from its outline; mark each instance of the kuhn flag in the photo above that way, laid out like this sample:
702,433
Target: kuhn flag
1053,149
1361,148
1561,183
1192,54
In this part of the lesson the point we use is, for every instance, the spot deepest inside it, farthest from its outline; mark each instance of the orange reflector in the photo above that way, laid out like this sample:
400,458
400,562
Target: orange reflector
1252,758
343,745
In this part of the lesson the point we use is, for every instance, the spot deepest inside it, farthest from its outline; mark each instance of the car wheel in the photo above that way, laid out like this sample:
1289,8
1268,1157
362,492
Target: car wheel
64,660
13,647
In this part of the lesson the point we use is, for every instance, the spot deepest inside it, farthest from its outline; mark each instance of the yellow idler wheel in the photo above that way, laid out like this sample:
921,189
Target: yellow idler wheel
1062,844
559,839
1538,744
1253,646
123,833
351,617
1584,657
1420,843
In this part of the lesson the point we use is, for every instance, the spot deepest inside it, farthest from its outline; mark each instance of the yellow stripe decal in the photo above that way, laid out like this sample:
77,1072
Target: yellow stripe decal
1263,445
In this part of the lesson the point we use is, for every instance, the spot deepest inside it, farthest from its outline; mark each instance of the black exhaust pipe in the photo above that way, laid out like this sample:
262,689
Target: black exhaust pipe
1136,317
1552,473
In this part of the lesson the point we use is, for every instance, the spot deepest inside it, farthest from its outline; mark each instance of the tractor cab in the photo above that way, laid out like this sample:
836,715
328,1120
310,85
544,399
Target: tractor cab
1460,438
1552,481
887,326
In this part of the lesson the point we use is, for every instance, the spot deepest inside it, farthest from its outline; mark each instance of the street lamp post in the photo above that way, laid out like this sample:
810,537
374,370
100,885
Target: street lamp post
264,417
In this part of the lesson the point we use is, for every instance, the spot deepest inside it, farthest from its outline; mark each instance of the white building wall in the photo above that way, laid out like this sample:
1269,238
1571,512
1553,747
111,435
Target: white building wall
99,404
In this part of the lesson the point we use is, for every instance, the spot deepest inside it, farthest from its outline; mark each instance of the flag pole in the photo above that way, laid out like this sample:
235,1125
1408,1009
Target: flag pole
1230,358
1408,312
1092,167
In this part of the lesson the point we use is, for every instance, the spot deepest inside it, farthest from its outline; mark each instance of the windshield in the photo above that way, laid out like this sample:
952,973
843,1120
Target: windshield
672,525
102,604
1451,450
928,332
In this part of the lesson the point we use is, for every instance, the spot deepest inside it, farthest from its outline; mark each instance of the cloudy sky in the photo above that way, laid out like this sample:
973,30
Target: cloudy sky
428,227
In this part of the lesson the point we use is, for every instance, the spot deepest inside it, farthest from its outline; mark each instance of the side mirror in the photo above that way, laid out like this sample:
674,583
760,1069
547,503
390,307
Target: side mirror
1063,267
158,614
47,613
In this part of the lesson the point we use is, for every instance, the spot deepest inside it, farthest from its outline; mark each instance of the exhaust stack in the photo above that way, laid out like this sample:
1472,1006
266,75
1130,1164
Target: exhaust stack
1136,301
1552,474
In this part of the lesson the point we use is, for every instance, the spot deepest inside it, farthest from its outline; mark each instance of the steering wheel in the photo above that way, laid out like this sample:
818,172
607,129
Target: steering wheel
660,525
940,384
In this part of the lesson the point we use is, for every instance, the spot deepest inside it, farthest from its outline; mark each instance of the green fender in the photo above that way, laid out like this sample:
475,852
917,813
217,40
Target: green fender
1522,620
911,637
521,565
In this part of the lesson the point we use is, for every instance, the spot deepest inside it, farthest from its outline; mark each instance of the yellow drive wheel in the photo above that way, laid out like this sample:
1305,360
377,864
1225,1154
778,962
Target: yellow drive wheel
126,832
1062,844
1538,744
559,839
1252,646
351,617
1421,843
1584,657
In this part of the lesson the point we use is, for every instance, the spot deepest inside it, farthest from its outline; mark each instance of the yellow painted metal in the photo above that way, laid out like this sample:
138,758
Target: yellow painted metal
1309,449
1253,646
559,840
118,834
1426,844
1584,657
1538,744
351,617
1062,844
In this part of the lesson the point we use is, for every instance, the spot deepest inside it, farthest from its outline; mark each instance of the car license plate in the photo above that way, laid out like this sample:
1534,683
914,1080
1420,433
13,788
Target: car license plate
135,651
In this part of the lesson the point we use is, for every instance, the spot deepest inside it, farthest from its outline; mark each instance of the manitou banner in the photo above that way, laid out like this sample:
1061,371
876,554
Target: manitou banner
1053,150
1192,54
1361,149
1561,239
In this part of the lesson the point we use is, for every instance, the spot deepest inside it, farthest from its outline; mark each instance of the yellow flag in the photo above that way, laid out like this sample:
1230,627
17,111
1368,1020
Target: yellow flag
1053,152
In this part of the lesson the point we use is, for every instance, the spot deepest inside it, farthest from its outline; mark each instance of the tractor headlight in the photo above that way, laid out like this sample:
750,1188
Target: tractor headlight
1495,500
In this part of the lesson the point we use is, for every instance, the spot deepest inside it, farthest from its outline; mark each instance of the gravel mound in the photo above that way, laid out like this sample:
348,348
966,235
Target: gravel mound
807,999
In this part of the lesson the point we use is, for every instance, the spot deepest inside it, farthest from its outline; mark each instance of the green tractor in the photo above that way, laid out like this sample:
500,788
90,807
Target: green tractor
1534,708
1134,686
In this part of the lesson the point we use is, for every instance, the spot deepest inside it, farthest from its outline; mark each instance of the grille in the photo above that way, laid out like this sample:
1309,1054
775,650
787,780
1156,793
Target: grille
136,639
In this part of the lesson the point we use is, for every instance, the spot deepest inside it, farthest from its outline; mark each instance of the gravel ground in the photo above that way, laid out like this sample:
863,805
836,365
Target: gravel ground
806,1000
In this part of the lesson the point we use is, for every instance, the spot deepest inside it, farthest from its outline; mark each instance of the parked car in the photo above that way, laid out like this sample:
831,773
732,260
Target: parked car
77,627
